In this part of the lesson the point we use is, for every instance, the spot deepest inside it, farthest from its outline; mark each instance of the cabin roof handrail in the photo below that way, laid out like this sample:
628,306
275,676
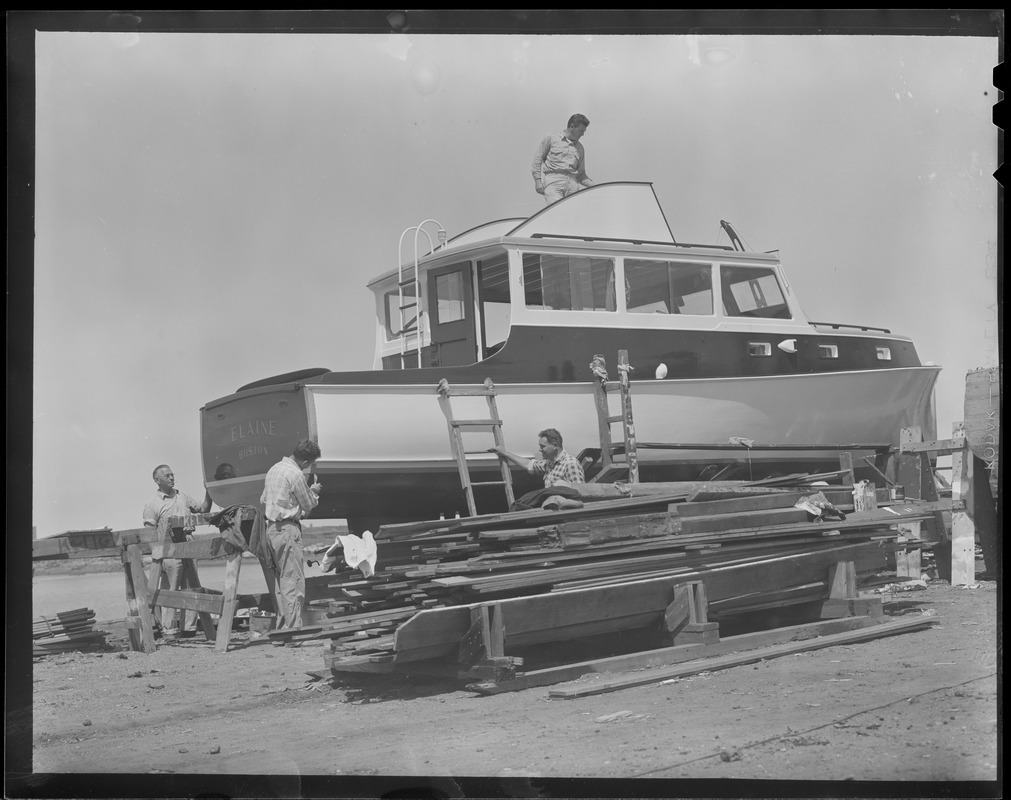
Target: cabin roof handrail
838,325
629,241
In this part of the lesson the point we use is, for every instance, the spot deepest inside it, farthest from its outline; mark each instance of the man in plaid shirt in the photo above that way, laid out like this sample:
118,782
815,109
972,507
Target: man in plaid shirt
287,497
555,465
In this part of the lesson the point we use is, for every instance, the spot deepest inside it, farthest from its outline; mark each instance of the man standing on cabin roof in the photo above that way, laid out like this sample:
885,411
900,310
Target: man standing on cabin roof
559,165
558,469
171,502
287,498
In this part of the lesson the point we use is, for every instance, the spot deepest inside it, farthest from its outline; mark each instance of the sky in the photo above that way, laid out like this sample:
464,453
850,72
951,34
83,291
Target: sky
210,206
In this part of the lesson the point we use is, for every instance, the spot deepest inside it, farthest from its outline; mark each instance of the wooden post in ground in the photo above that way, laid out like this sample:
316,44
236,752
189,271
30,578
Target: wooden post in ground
908,559
963,532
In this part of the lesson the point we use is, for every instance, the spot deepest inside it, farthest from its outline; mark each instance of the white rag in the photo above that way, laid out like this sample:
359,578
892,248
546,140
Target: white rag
358,553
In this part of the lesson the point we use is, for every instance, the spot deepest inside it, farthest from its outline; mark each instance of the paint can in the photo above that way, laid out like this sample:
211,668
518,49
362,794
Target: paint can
897,493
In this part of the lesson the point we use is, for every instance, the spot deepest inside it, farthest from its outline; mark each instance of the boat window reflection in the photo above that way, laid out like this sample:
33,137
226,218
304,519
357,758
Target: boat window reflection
493,295
667,287
568,282
752,292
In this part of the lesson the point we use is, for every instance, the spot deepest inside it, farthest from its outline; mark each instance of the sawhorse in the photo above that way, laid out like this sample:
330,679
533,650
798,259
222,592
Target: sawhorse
143,592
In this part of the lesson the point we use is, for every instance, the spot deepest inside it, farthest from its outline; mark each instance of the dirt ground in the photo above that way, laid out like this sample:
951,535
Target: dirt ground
917,708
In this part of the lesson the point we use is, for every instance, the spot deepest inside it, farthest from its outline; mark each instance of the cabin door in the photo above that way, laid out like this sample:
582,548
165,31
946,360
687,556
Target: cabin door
451,317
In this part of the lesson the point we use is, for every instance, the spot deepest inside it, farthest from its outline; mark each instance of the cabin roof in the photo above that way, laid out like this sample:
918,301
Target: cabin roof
622,213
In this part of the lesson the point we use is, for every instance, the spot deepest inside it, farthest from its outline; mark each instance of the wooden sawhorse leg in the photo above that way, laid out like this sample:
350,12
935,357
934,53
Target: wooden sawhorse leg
139,622
229,601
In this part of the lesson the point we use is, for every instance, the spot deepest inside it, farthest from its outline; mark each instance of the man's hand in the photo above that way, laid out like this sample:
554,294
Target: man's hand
538,187
316,488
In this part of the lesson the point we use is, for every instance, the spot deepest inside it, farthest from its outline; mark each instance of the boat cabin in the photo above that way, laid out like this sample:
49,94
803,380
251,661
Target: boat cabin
549,272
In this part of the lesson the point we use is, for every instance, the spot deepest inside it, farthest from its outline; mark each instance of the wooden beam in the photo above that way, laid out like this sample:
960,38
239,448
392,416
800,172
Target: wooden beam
738,659
673,655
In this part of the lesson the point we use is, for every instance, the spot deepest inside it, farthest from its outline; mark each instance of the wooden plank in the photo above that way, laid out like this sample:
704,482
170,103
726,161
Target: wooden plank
762,518
524,615
188,600
673,655
739,659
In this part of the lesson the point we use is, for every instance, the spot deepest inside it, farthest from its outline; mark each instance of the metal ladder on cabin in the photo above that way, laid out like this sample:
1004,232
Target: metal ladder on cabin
457,427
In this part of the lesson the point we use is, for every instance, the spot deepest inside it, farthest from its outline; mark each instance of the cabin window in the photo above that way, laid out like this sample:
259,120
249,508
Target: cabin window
759,349
665,287
752,292
570,283
883,353
828,351
493,295
449,298
394,325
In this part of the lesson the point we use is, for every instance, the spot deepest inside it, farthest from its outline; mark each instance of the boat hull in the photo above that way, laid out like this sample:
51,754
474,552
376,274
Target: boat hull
386,453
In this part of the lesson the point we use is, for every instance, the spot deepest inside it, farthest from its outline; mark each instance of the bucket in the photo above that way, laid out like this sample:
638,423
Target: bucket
261,624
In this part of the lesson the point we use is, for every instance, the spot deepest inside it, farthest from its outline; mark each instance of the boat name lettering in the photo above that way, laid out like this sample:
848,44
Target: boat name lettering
254,428
256,450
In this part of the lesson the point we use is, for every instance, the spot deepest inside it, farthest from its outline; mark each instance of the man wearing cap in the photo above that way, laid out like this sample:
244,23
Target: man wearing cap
559,165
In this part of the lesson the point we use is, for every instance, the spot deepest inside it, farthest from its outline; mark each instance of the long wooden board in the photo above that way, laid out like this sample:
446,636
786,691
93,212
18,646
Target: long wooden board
749,657
674,655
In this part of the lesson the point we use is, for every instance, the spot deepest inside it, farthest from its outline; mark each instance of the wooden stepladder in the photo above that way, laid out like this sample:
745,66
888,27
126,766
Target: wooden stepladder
144,593
457,427
605,419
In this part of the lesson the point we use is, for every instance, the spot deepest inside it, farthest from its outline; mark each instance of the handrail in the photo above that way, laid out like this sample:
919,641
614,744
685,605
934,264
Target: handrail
838,325
403,332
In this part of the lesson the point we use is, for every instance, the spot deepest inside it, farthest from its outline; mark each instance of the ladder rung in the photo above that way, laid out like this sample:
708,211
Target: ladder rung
477,453
471,423
618,418
408,282
407,306
487,483
451,392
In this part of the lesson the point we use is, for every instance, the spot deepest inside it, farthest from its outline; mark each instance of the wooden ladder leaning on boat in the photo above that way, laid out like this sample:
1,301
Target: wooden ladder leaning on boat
457,427
608,468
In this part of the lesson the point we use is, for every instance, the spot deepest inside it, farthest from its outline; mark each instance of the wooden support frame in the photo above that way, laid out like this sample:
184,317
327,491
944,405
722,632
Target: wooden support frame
843,599
686,620
144,591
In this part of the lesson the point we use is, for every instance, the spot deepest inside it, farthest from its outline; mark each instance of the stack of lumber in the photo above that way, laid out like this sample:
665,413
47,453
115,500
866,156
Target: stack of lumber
68,630
666,536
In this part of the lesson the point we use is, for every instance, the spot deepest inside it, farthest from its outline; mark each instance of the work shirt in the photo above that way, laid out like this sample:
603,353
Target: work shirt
564,468
558,154
162,506
286,494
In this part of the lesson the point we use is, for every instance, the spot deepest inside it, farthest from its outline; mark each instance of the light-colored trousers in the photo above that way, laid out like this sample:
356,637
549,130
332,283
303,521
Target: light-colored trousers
172,578
558,185
286,543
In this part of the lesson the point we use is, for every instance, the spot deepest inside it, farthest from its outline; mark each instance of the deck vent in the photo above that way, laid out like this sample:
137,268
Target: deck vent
828,351
759,349
883,353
